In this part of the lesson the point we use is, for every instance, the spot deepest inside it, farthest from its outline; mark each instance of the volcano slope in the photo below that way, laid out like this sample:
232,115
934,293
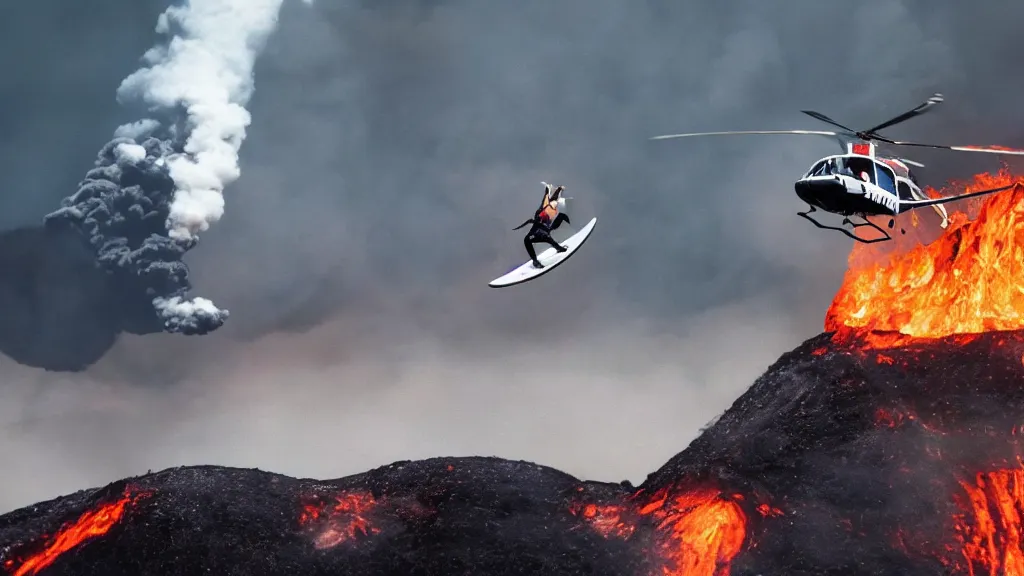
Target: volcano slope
838,460
887,445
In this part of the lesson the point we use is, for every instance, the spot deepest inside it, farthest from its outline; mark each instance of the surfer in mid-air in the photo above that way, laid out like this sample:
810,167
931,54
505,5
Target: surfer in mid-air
545,219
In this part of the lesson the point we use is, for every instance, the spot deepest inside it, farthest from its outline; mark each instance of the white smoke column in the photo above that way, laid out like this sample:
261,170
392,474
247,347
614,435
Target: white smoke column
154,187
206,69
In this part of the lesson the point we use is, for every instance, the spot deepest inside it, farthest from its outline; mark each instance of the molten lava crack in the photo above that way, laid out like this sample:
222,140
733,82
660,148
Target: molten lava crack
698,531
991,532
91,524
343,518
701,532
609,520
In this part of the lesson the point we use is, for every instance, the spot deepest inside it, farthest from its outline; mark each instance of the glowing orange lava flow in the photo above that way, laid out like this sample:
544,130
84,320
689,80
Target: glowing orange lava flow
991,534
969,281
91,524
703,531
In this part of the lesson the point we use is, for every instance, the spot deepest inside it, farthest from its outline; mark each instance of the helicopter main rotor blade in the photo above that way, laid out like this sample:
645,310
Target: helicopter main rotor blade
983,149
827,120
921,109
911,162
798,132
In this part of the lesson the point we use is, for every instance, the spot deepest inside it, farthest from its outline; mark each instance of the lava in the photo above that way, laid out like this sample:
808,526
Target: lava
992,542
701,531
346,519
607,519
969,281
92,524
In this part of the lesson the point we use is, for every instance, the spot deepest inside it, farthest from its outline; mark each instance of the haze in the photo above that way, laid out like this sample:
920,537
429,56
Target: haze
393,147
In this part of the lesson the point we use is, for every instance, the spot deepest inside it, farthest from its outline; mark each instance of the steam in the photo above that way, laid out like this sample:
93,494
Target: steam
161,181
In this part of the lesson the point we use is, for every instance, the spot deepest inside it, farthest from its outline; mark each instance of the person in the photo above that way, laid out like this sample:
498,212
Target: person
543,224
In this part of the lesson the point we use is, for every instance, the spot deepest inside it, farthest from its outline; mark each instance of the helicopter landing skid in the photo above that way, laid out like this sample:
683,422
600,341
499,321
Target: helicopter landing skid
885,235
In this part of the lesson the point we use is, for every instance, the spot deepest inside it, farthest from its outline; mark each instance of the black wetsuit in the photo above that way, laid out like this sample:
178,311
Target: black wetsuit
541,232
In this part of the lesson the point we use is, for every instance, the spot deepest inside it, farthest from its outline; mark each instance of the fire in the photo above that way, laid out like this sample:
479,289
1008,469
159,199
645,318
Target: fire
992,542
969,281
702,531
92,524
607,519
345,520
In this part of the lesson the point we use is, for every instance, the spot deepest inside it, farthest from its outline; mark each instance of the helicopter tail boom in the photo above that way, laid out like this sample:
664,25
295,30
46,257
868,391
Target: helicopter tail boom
944,200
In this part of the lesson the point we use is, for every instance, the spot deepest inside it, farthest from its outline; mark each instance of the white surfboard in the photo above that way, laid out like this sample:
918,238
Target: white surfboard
550,258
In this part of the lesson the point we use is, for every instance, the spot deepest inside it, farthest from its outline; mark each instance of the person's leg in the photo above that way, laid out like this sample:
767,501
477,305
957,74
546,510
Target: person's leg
528,242
555,245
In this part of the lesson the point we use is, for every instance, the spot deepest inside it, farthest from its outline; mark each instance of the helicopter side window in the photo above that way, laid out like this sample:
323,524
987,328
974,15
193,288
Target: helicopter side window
886,180
904,190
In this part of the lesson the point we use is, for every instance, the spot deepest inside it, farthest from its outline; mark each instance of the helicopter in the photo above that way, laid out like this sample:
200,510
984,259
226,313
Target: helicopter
860,183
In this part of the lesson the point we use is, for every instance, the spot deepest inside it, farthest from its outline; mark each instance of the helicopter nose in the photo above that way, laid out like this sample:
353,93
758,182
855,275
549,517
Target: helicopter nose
820,192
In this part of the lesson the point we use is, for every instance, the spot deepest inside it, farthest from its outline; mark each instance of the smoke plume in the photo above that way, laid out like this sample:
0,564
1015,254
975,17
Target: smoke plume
161,180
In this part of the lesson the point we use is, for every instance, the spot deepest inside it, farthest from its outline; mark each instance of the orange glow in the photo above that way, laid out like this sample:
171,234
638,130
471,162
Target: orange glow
969,281
92,524
889,418
991,532
702,531
345,520
606,519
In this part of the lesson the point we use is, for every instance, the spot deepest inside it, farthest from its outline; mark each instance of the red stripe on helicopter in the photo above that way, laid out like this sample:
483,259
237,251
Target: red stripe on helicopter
862,149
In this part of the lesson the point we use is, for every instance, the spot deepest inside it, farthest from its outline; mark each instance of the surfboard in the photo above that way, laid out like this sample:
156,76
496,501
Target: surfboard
550,258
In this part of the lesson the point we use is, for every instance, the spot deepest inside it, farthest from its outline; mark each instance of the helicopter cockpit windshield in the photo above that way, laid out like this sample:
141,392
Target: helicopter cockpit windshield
859,167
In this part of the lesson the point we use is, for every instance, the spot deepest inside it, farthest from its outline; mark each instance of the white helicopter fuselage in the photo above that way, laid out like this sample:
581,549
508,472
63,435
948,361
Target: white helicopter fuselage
860,183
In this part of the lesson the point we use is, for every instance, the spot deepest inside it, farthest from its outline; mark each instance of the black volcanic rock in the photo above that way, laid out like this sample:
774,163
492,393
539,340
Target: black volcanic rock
840,459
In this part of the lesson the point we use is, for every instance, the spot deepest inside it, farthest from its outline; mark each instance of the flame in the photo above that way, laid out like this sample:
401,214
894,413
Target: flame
992,543
607,519
346,519
92,524
702,531
969,281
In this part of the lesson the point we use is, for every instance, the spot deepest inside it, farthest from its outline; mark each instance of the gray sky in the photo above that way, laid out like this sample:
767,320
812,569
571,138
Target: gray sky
395,144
